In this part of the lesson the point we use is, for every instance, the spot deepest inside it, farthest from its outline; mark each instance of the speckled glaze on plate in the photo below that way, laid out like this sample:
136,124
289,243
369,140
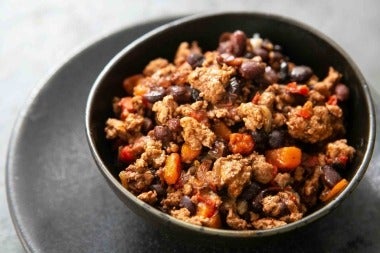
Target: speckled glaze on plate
59,201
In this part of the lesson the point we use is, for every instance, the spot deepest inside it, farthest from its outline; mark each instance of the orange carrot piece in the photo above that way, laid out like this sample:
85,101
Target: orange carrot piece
214,221
338,188
130,82
188,154
222,130
172,168
241,143
285,158
140,89
205,210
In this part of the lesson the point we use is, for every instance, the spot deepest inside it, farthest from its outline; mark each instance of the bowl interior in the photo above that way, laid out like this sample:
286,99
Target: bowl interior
302,44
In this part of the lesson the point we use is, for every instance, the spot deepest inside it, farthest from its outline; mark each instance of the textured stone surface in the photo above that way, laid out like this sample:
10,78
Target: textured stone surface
36,37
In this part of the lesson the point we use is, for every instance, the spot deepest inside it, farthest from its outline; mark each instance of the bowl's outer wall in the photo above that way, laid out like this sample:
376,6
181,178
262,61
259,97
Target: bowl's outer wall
302,46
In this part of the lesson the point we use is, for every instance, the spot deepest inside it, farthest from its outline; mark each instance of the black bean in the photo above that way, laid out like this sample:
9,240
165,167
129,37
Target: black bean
180,93
276,138
342,92
147,125
270,76
195,60
239,43
260,139
162,133
251,69
195,94
188,204
235,85
155,94
159,189
338,165
256,205
330,176
261,52
250,191
284,71
301,73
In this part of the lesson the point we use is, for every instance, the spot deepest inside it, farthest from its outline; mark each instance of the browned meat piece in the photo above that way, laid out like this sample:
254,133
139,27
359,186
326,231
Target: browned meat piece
163,76
283,206
172,200
149,197
165,109
311,187
196,134
211,82
234,221
283,179
155,65
184,215
116,129
316,98
189,109
325,86
338,149
274,206
267,98
133,122
312,124
184,50
124,129
179,77
267,223
233,171
136,179
263,172
255,116
153,155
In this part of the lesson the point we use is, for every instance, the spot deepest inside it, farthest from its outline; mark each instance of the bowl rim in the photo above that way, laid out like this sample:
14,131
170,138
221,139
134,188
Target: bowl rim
225,232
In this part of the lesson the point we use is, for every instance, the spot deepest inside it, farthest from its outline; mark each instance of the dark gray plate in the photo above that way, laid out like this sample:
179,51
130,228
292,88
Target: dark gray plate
59,201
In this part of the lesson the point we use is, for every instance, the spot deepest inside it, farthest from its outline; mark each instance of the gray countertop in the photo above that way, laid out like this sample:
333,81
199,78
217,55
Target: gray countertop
36,37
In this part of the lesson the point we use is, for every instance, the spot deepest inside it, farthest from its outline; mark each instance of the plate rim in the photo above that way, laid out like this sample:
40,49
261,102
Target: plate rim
36,91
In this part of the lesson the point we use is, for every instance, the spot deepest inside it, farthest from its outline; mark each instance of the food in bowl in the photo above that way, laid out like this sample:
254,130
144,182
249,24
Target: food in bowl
237,138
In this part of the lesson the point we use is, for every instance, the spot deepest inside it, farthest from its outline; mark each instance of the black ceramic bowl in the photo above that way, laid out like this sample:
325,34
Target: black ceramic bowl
303,44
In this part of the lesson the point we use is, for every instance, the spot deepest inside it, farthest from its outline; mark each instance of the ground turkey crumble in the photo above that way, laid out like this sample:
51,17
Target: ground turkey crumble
236,138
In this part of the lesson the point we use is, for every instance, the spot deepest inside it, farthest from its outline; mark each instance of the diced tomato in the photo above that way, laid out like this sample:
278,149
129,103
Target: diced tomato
343,159
333,100
200,116
256,98
126,107
126,154
305,113
297,89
